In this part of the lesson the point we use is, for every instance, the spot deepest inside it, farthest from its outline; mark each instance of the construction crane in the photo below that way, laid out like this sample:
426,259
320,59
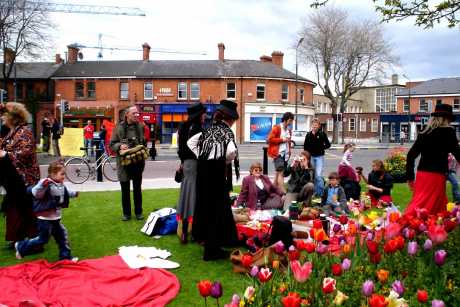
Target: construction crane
82,9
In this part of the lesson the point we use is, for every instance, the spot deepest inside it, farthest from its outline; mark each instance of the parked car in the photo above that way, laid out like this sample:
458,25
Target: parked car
298,137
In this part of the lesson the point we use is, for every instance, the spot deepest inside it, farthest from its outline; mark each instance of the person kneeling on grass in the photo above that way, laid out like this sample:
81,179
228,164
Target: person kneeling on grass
334,199
49,196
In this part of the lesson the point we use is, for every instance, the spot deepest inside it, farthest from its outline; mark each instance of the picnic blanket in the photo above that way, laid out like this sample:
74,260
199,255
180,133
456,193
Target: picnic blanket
106,281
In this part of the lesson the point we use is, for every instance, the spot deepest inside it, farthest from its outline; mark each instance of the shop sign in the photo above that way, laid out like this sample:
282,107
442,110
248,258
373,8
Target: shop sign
260,127
149,118
165,91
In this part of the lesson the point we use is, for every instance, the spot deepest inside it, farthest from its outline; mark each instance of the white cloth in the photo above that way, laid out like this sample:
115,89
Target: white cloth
192,143
259,184
346,158
283,149
151,257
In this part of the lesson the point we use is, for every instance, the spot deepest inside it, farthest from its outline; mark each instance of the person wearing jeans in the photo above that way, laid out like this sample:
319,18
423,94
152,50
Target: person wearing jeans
452,177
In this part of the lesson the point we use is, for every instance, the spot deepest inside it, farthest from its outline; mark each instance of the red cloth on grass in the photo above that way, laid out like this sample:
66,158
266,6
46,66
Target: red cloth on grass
429,193
106,281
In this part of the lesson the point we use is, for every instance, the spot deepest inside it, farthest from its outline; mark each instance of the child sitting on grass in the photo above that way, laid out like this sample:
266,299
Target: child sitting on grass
334,199
49,196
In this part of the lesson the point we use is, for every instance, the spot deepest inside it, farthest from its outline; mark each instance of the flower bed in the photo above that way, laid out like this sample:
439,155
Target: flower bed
395,164
402,261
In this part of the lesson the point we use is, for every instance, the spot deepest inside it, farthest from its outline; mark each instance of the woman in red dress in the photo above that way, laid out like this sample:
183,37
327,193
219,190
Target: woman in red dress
433,145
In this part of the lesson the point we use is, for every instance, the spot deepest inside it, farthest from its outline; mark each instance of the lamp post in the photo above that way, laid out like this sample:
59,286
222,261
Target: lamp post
408,111
296,79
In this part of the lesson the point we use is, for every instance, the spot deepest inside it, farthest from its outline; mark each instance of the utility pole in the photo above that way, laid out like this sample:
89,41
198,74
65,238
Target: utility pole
296,79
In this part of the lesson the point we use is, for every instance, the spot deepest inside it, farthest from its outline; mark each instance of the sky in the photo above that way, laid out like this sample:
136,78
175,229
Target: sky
248,28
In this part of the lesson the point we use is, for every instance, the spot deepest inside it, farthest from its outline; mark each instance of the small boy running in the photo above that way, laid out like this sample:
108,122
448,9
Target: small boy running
49,196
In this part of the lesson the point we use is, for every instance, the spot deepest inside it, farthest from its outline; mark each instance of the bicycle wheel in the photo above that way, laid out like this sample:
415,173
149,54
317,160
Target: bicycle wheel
109,168
77,170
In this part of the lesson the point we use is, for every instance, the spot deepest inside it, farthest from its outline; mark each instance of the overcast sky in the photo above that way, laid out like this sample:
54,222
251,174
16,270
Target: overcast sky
248,28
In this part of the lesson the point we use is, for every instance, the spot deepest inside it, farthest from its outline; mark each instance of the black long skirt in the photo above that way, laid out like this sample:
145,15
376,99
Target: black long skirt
213,221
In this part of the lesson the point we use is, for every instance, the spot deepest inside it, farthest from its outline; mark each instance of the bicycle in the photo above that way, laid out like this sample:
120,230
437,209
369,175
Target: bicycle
79,169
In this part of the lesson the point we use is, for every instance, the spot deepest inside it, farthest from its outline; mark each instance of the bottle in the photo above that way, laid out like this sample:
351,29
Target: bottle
293,211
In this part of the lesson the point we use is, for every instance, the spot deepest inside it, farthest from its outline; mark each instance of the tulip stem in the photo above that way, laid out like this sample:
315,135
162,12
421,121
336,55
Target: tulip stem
205,302
217,302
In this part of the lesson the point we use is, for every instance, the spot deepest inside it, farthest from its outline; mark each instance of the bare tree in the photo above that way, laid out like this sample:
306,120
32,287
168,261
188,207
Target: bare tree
345,54
24,32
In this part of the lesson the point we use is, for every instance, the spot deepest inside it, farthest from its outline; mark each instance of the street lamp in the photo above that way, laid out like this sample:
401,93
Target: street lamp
408,111
296,78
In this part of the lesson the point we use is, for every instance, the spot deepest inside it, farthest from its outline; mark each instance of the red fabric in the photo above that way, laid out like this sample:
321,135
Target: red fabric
274,141
106,281
384,198
429,193
109,126
146,133
249,232
347,172
88,132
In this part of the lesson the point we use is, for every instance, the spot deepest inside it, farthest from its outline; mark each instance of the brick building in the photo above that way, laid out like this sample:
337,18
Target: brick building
162,90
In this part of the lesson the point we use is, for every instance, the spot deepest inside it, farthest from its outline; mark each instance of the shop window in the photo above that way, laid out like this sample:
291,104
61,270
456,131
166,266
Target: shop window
456,104
374,125
182,90
231,90
423,107
148,90
195,91
124,90
351,124
301,95
19,91
79,89
260,91
406,105
362,125
284,92
330,125
29,90
91,89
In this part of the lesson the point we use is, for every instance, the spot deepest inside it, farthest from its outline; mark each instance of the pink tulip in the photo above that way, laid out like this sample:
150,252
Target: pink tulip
321,249
279,247
392,231
398,287
367,288
427,245
346,264
254,271
437,234
301,273
440,257
412,248
437,303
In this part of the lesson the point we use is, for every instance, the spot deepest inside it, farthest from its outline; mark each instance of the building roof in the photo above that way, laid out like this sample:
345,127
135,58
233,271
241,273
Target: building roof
175,69
32,70
442,86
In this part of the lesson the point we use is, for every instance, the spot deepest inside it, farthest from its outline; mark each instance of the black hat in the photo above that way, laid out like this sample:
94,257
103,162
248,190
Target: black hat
229,108
195,110
443,110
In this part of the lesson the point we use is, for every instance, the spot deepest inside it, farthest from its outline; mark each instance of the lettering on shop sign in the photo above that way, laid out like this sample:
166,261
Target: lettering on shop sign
262,109
165,91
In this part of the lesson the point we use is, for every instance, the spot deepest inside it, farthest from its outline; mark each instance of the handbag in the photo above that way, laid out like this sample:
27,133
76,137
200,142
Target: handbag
160,222
179,175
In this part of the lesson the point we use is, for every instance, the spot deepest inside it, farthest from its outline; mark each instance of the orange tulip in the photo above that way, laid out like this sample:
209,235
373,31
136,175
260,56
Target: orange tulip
346,248
382,275
276,264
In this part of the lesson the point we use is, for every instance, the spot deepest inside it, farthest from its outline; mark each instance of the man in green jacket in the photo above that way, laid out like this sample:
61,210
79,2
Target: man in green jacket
128,134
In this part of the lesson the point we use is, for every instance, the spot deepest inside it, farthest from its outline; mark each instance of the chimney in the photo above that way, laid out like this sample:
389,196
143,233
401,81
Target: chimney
8,56
277,58
266,59
221,47
72,53
145,52
58,58
394,79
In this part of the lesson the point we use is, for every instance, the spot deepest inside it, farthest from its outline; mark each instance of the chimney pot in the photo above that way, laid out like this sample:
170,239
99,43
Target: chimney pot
146,52
221,47
394,79
58,58
72,53
8,56
277,58
266,59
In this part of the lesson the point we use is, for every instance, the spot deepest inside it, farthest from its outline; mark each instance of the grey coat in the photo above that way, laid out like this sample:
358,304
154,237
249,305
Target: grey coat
134,136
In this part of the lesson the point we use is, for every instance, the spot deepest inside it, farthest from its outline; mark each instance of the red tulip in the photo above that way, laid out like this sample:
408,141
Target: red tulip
328,285
390,246
291,300
400,242
293,253
336,269
372,246
422,296
343,219
265,275
376,258
246,260
317,224
415,224
204,286
437,234
310,247
449,225
377,300
392,230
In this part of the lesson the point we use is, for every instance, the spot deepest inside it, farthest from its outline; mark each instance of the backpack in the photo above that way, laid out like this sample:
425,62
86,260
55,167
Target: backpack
281,230
161,222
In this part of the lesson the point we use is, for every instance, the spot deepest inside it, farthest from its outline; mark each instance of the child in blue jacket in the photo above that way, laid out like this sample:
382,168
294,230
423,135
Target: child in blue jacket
50,195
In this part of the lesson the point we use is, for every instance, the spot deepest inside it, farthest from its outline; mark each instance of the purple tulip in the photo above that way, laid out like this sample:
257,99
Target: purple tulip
216,289
368,288
336,228
412,248
440,257
405,233
455,211
437,303
346,264
370,236
398,287
254,271
428,245
342,240
321,249
279,247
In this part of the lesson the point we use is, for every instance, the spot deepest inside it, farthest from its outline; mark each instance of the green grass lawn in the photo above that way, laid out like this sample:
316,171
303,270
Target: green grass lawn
95,230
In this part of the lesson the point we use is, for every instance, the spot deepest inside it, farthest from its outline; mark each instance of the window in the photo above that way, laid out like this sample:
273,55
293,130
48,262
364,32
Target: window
91,89
406,105
19,91
29,90
79,89
423,106
148,90
194,90
260,91
231,90
375,125
330,124
362,125
284,92
301,95
351,124
385,99
124,90
457,104
182,90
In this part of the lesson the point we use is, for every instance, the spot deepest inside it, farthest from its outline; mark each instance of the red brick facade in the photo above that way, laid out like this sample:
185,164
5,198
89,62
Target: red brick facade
357,126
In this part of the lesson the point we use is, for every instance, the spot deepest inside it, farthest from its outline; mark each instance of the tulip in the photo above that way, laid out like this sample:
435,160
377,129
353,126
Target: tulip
204,286
216,289
392,231
310,247
382,275
321,249
346,248
437,234
391,246
336,228
301,273
279,247
450,225
399,242
343,219
264,275
372,246
370,236
398,287
336,269
254,271
276,264
393,217
440,257
291,300
412,248
437,303
346,264
422,227
367,288
317,224
293,253
235,301
377,300
422,296
340,298
249,292
376,258
319,235
328,285
394,300
428,245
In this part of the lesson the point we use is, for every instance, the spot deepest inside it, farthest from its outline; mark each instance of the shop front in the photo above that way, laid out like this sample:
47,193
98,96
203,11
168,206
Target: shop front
79,116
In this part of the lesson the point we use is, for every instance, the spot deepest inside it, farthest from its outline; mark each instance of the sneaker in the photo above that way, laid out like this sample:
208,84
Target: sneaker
125,218
18,255
139,217
74,259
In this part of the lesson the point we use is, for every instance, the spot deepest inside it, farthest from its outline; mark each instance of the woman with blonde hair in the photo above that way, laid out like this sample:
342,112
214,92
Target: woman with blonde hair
19,169
433,145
